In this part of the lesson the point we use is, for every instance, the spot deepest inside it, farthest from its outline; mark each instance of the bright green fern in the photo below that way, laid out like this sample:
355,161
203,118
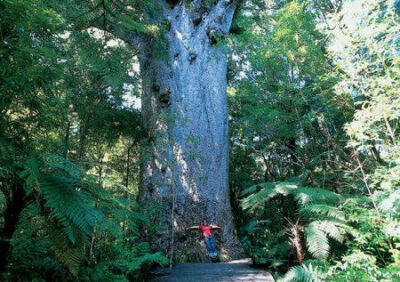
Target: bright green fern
318,208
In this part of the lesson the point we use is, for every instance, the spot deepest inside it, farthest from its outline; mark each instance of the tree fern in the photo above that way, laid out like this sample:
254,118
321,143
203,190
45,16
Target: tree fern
318,207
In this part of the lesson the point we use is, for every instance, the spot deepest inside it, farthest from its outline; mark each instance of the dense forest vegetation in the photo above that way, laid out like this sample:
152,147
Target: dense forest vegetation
314,138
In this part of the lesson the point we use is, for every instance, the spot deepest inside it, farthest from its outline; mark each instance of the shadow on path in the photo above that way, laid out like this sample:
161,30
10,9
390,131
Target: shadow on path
238,270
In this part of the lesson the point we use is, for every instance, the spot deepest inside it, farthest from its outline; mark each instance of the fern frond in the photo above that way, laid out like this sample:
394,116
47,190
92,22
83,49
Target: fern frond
317,233
307,195
68,254
343,226
55,162
269,190
324,210
360,199
138,258
137,263
30,174
317,240
302,273
303,195
256,187
68,204
332,229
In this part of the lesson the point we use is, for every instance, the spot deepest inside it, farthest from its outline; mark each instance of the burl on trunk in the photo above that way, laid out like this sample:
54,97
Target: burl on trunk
184,105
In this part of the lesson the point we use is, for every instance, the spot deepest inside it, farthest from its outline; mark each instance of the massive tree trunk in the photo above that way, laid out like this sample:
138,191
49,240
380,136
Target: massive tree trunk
184,108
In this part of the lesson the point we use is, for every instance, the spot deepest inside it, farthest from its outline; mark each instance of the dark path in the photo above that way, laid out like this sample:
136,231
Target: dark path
231,271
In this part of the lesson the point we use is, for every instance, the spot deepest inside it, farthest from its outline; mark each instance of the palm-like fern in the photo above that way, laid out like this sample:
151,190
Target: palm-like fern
318,207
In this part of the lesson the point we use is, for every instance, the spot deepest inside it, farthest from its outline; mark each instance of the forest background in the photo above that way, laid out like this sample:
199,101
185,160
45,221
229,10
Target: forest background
314,110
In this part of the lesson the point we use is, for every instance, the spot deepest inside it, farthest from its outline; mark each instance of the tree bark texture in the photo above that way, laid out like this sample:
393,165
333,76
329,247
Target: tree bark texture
184,109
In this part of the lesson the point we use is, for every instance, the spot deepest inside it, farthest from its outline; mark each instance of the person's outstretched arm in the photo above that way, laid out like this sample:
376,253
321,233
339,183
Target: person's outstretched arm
193,227
215,226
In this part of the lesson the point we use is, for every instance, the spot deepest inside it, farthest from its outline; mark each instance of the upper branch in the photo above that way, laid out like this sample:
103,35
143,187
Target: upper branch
220,17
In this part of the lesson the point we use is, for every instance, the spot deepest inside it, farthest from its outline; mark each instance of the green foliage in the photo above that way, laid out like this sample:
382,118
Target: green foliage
69,205
69,138
314,101
305,272
322,221
77,222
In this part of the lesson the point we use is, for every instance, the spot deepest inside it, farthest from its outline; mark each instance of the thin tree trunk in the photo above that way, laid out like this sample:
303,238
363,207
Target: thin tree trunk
128,161
66,140
100,156
83,130
297,231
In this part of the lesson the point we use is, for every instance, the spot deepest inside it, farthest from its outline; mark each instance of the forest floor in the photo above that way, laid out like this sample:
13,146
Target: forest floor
238,270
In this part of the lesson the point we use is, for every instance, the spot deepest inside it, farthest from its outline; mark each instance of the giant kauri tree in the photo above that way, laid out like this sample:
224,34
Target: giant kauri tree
185,111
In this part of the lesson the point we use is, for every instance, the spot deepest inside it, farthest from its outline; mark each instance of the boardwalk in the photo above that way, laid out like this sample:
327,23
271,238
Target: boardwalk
232,271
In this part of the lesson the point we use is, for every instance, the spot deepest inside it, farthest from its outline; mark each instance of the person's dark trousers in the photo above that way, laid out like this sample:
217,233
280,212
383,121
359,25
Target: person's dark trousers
210,244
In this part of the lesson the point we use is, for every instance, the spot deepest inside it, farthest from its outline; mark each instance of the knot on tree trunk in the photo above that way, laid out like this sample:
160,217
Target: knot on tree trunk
192,57
197,20
198,15
156,87
165,98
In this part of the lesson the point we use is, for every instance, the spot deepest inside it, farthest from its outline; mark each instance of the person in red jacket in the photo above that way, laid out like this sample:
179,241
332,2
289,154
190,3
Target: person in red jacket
205,229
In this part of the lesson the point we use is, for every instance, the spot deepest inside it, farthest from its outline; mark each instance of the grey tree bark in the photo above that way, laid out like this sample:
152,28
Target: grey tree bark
184,106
